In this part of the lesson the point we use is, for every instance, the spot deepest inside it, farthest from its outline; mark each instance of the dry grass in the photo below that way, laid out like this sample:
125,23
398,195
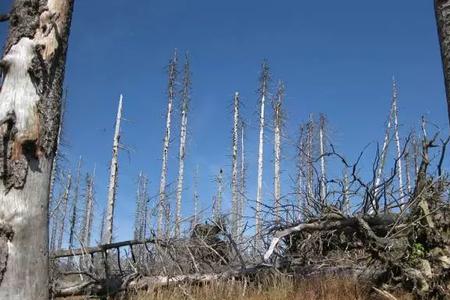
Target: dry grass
273,289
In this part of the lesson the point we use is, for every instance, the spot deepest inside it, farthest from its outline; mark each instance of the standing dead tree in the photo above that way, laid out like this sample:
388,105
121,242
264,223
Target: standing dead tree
263,93
217,205
397,140
197,216
323,175
32,70
74,216
140,218
65,200
234,168
88,218
113,178
278,124
163,205
242,182
185,99
442,11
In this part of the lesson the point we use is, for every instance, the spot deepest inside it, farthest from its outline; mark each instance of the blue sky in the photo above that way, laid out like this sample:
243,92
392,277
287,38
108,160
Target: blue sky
335,57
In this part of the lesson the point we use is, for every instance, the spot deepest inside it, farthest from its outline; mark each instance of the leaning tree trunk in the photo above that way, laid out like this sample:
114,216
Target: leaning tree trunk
442,10
30,103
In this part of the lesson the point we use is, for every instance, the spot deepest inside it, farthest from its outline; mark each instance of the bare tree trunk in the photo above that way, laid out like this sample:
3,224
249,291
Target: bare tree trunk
345,194
234,168
30,102
263,90
89,213
196,198
323,176
383,154
299,185
243,184
308,154
113,177
442,11
140,221
163,203
397,141
217,213
74,218
183,133
65,201
278,123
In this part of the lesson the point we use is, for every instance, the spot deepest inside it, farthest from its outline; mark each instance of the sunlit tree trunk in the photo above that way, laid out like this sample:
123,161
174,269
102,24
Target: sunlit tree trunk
183,133
278,123
89,210
30,103
323,176
234,167
65,202
263,90
163,203
113,178
74,216
397,140
217,208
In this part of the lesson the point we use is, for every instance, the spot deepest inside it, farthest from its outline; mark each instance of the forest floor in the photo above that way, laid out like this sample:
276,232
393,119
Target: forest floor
278,289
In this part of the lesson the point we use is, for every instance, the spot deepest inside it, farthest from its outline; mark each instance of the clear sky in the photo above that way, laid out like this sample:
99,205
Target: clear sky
336,57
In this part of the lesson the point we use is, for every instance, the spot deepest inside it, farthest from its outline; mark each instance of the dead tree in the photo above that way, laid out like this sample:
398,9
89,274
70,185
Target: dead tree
89,210
65,201
308,161
263,93
163,202
242,181
278,124
113,178
398,159
140,219
197,216
442,11
323,176
74,216
217,205
32,69
234,167
185,96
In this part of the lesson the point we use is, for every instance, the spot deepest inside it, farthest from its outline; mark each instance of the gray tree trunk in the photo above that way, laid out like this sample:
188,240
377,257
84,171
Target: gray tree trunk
278,123
113,177
183,134
65,202
442,10
234,168
163,205
30,102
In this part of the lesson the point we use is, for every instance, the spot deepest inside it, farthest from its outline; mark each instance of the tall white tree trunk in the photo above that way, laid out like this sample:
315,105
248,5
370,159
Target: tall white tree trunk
243,183
196,197
278,122
163,203
397,140
183,133
234,167
113,178
323,177
30,103
308,154
264,81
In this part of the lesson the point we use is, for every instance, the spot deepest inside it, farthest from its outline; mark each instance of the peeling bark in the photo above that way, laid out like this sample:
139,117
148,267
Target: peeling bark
30,103
234,168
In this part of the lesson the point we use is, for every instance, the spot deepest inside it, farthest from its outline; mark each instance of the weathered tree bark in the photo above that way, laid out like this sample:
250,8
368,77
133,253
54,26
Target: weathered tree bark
113,177
185,94
30,101
442,11
263,90
163,205
197,216
140,220
278,123
308,155
234,168
242,183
